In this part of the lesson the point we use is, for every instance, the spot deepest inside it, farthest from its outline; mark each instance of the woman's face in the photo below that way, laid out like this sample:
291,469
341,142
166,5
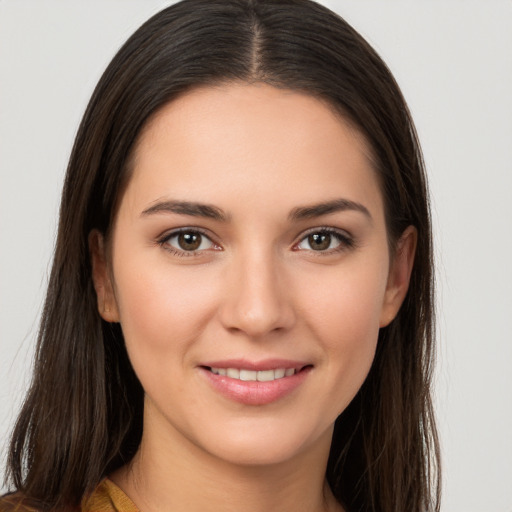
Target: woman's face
249,268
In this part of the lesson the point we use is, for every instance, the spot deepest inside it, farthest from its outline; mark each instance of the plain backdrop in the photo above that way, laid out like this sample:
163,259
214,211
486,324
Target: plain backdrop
453,60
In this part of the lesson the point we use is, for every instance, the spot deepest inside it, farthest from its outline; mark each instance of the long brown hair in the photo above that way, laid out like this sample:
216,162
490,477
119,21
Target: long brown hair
82,417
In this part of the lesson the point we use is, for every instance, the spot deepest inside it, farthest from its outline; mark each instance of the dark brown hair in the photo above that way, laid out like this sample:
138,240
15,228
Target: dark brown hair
82,417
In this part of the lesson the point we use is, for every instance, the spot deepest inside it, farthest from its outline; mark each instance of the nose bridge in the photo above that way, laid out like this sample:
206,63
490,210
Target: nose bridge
257,301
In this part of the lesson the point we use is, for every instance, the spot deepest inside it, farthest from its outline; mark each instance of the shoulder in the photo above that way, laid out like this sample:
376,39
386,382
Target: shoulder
15,503
107,497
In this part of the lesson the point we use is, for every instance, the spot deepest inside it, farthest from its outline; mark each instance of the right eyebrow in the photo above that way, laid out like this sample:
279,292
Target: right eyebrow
186,208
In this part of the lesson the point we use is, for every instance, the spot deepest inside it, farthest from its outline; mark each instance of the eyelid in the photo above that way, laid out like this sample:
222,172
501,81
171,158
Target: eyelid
167,235
346,240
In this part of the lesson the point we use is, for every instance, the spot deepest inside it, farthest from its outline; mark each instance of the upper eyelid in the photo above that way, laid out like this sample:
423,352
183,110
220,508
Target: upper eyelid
325,229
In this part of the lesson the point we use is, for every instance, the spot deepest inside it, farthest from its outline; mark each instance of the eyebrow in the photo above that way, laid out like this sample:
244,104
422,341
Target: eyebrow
213,212
336,205
187,208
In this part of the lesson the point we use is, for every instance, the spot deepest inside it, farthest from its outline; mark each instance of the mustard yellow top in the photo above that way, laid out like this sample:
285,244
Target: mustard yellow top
107,497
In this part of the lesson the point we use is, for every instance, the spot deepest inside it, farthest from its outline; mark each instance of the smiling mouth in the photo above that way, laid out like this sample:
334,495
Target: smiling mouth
258,383
255,375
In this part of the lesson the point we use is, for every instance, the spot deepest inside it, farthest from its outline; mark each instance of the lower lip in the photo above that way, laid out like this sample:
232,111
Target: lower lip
255,392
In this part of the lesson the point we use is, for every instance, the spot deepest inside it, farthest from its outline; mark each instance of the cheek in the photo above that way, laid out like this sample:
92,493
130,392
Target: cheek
160,311
345,319
348,301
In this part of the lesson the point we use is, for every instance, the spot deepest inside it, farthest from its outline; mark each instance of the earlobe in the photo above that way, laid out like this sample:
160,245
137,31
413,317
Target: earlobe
399,275
107,306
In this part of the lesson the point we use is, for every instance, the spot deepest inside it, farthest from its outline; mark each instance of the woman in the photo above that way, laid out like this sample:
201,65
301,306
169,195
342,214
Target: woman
240,309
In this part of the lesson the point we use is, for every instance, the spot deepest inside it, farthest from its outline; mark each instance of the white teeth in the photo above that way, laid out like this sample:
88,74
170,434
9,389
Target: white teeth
248,375
279,374
267,375
252,375
233,373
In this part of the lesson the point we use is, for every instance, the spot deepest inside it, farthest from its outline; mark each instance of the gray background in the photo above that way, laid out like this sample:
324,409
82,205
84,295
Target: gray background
453,60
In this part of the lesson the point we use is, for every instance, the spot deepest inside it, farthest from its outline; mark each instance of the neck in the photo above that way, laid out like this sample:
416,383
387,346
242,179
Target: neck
170,473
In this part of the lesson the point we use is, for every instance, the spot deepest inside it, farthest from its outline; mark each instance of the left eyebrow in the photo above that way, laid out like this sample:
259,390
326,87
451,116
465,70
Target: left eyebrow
336,205
186,208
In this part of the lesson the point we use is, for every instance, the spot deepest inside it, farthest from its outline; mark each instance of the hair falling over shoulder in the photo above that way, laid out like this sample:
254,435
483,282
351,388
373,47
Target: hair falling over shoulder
82,416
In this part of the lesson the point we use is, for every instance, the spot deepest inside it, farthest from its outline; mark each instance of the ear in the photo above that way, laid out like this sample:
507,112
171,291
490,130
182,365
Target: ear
107,305
399,275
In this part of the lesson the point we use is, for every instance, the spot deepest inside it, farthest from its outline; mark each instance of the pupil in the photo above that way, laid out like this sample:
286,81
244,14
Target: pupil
319,241
189,241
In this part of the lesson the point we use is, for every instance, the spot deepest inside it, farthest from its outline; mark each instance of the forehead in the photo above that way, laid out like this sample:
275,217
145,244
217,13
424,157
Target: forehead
252,140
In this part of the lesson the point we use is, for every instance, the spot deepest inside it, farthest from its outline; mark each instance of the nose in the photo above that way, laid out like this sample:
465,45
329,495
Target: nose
257,300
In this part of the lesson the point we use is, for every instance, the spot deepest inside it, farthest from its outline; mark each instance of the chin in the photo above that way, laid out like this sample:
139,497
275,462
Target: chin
266,446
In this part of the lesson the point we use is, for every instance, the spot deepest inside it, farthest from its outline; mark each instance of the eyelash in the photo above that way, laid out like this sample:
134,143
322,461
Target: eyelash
346,242
163,241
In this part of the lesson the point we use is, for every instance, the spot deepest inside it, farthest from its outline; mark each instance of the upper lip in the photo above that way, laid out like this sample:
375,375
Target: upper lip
262,365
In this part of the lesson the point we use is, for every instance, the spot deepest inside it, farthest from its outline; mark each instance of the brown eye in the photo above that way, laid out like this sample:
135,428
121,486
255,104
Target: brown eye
188,242
325,240
319,241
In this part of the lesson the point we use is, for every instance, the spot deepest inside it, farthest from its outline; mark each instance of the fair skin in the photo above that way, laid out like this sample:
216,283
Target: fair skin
287,267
